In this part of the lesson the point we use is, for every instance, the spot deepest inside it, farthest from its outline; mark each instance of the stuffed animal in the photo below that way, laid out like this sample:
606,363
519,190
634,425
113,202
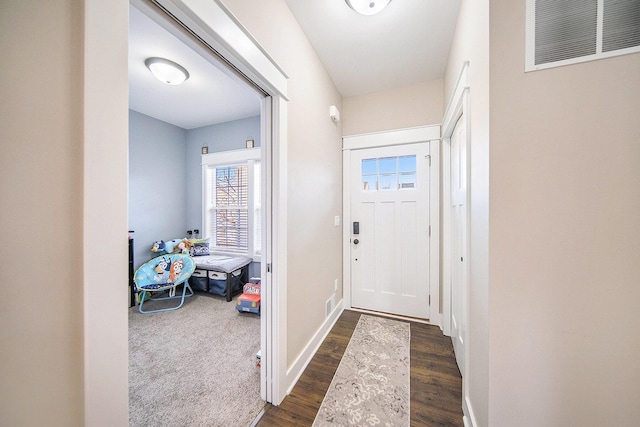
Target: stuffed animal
172,246
158,246
184,246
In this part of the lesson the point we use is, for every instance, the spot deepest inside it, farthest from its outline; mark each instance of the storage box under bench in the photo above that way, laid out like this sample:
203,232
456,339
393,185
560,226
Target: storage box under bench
220,274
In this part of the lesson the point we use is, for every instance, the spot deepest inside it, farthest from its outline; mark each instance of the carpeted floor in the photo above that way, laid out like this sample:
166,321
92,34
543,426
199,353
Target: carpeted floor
195,366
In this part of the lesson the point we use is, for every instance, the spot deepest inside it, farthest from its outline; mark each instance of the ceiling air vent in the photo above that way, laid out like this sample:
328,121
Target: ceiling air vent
563,32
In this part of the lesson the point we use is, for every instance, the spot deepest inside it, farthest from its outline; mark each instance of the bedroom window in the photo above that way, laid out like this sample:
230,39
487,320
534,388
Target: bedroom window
231,202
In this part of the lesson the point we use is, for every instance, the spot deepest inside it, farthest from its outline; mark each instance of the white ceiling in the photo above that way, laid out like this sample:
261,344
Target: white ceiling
208,97
408,42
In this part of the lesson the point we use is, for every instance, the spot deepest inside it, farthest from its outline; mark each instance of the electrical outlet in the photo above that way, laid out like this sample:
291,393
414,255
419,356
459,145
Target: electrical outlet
336,221
335,285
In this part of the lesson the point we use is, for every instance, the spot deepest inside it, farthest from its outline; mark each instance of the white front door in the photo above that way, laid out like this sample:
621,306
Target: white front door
458,240
389,227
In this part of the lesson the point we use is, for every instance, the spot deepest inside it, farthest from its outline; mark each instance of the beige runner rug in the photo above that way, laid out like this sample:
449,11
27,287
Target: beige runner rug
371,384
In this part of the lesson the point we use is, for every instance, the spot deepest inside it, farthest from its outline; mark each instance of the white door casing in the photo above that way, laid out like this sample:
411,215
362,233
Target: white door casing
400,278
456,136
458,197
389,203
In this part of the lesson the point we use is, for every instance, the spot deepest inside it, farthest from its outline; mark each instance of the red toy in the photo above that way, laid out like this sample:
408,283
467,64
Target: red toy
250,299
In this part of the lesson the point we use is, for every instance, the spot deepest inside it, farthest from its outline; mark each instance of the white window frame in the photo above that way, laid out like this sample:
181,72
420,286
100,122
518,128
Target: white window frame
230,158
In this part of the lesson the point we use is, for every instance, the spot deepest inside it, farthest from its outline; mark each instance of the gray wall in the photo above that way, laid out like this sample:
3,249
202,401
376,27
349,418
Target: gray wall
157,182
165,175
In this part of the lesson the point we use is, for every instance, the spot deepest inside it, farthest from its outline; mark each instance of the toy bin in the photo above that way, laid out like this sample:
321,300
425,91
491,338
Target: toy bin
199,280
217,282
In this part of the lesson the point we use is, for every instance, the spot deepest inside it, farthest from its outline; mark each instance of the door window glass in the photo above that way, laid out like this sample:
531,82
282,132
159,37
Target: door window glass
389,173
370,174
407,171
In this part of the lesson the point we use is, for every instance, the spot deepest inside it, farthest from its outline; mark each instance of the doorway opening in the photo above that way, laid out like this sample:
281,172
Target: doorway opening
254,106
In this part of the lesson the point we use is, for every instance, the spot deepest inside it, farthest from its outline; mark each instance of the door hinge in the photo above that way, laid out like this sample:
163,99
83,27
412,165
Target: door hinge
269,268
428,157
429,231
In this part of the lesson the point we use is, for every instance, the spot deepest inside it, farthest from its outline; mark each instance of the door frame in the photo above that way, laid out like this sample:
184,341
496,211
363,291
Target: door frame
215,26
104,130
431,135
458,107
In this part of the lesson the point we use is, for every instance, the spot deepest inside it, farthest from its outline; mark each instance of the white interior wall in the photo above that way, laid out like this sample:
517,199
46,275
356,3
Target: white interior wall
41,217
564,336
314,162
410,106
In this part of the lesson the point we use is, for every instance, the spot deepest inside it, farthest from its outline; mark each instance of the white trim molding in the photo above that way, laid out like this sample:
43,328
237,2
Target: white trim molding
457,108
231,157
468,418
392,137
276,294
300,364
456,102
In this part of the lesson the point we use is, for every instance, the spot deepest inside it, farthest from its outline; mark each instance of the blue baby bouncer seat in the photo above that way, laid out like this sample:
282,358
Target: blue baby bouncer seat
164,274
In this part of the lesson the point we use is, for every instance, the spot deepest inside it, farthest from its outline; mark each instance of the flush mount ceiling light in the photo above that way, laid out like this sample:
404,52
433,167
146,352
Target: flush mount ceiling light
368,7
167,71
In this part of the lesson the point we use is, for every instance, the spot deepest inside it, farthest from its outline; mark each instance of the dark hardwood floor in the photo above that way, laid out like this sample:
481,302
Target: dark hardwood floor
436,385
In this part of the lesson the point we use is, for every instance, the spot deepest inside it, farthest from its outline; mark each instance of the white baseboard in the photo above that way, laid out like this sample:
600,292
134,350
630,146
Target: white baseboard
469,418
301,362
436,320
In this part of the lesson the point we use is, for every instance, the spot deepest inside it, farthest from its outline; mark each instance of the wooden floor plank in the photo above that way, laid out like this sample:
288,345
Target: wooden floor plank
435,382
